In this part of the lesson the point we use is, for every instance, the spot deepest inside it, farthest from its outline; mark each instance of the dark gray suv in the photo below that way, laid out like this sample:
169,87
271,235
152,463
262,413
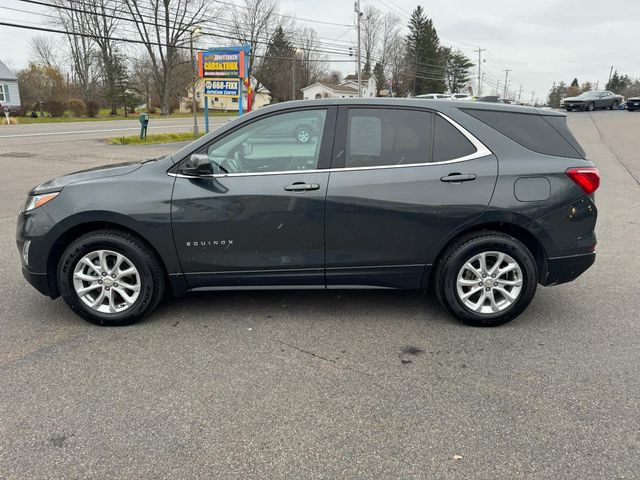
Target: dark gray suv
482,202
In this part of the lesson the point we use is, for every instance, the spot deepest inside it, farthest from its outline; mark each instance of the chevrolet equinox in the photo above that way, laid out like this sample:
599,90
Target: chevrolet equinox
482,202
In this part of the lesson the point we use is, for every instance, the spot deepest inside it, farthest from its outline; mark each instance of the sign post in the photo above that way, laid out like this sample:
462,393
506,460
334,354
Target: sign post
223,70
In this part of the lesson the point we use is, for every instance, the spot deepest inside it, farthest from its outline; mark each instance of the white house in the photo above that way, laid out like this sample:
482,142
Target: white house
9,92
347,89
261,98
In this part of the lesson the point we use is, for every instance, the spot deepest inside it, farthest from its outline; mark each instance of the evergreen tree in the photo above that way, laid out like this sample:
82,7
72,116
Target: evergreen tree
458,68
618,83
275,71
575,83
378,73
424,57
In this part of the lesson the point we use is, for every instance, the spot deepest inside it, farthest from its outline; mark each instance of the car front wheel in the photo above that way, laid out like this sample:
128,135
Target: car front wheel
591,107
110,278
486,279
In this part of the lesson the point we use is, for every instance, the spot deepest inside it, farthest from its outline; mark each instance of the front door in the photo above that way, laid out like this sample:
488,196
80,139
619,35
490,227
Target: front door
405,178
257,218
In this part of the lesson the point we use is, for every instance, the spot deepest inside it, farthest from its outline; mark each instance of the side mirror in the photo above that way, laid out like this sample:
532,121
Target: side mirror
247,149
197,165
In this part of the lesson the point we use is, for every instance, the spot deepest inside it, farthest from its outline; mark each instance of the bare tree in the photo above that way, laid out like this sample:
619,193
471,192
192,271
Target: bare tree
102,21
253,23
390,30
164,27
44,51
396,64
81,46
371,26
313,64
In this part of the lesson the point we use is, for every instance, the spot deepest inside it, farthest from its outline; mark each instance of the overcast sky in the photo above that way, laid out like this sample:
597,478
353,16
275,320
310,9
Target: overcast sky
541,41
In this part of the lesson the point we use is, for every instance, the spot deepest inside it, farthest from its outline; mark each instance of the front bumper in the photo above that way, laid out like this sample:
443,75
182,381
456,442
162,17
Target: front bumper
574,106
566,269
39,281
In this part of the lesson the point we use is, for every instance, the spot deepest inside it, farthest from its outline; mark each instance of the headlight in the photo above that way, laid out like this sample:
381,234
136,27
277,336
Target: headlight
36,201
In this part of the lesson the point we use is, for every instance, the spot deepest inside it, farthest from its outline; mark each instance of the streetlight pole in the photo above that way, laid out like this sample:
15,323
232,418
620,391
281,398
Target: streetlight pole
194,105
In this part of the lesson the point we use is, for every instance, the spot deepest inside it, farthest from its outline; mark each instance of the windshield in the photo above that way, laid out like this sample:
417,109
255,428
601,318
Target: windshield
589,95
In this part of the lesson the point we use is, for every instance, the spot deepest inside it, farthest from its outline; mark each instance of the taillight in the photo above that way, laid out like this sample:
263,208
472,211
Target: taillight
587,178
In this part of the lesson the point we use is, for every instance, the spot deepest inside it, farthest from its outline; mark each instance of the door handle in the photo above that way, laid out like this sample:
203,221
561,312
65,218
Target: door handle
302,187
458,177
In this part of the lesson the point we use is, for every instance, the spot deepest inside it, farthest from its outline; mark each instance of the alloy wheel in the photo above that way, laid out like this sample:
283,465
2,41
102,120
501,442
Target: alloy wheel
489,282
106,281
304,135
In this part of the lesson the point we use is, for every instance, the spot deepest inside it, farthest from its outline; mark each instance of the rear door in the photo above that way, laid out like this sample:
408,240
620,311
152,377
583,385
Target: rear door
401,180
258,219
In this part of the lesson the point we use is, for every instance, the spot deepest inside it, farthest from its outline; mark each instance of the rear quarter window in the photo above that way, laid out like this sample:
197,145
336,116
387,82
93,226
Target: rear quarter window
532,131
448,142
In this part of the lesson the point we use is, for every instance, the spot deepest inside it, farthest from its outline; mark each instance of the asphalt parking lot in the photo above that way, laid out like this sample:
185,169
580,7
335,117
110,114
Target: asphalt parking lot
353,385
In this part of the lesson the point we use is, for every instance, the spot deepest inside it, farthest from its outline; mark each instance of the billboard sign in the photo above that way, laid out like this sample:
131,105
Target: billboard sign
221,64
222,87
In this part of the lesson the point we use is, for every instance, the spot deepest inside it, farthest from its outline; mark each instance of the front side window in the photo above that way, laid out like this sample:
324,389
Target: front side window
278,143
385,137
1,93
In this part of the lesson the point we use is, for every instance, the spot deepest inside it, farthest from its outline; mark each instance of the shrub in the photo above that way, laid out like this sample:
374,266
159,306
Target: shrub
77,107
18,111
151,110
92,108
56,108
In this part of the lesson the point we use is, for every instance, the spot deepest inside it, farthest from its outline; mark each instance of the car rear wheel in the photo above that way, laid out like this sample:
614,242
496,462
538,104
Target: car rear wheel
614,105
110,278
486,279
591,107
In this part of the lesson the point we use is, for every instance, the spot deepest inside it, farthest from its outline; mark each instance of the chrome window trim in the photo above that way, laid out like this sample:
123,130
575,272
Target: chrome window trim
481,151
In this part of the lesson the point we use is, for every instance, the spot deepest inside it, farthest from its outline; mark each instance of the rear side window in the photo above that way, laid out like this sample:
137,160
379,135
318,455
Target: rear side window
560,125
531,131
448,142
385,136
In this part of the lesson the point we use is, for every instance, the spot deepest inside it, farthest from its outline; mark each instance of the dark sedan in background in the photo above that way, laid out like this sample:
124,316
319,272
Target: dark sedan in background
591,101
633,104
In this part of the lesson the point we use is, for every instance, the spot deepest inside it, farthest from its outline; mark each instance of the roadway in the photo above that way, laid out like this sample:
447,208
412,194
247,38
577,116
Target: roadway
50,133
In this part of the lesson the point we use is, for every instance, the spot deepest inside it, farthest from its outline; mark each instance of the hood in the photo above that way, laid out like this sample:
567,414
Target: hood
58,183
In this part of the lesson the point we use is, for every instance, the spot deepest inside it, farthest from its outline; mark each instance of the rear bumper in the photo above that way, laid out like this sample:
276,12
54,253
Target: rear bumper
566,269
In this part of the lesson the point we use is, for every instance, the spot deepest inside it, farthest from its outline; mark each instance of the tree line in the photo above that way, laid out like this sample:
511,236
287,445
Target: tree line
124,53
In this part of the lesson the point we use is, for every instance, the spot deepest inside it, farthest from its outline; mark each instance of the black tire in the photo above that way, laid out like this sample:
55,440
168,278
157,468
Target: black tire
591,107
151,273
303,134
460,252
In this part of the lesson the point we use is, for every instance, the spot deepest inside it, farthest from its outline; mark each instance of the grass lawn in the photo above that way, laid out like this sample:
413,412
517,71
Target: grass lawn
153,139
104,115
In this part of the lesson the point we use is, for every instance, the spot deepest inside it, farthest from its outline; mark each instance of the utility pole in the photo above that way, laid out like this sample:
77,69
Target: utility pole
481,84
520,94
498,88
533,94
194,102
480,78
358,17
506,82
610,73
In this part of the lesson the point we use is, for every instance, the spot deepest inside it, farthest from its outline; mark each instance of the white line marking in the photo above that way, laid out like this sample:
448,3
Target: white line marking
154,127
